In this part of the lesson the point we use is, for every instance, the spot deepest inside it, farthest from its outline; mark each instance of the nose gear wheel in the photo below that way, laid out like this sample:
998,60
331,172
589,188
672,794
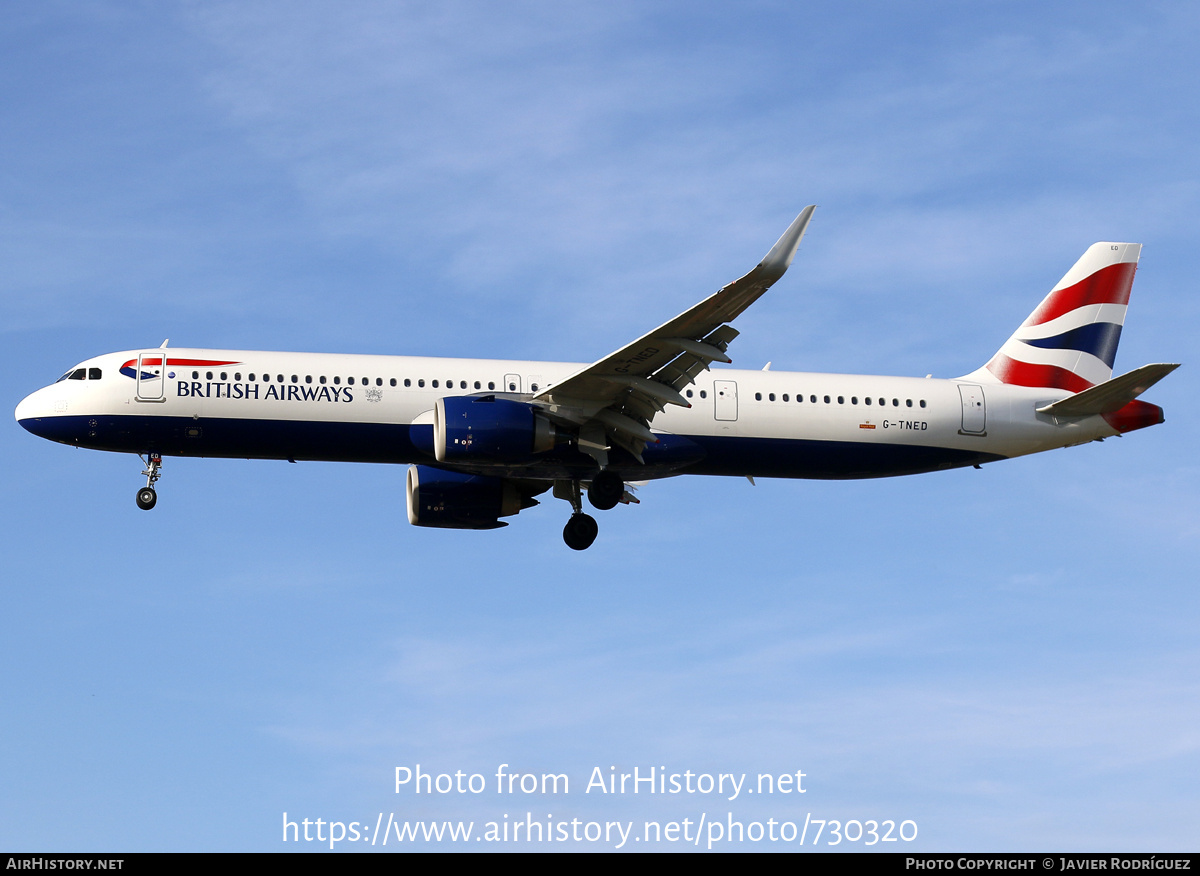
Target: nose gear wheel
146,496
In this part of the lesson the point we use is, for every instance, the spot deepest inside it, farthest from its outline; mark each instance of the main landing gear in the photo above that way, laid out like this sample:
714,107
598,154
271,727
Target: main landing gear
580,531
606,490
146,497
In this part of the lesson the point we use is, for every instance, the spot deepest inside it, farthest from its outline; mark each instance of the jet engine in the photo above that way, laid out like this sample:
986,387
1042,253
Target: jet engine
469,429
451,500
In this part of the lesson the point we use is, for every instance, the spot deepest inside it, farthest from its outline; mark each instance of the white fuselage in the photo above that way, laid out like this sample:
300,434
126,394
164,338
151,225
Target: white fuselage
224,403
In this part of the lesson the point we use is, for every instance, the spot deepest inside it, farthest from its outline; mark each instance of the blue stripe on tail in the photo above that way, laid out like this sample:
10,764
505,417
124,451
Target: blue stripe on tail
1099,338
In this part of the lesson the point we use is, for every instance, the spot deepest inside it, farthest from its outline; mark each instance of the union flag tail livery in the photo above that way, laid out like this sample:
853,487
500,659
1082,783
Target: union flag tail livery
1070,340
484,436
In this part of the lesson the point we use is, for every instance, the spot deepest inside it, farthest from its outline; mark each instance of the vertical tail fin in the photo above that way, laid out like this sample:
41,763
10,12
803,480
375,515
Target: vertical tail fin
1070,340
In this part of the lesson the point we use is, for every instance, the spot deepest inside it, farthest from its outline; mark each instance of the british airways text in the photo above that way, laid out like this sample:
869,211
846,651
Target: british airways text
210,389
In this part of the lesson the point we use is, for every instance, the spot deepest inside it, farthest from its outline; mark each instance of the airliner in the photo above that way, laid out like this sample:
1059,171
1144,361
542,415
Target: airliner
484,437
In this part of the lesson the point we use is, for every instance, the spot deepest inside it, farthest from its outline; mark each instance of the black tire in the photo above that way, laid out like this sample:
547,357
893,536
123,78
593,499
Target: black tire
606,490
146,497
580,532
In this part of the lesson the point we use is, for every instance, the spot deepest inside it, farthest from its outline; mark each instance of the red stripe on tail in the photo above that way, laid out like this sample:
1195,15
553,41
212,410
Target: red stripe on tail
1027,374
1109,285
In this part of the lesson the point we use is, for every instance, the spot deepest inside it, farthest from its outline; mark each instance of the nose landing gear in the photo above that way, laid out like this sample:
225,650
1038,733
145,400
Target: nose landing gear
146,496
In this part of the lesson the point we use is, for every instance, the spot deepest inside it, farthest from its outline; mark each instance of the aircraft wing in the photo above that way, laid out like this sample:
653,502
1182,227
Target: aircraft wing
618,396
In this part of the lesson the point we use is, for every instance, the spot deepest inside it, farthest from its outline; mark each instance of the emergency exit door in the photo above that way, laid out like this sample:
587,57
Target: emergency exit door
725,399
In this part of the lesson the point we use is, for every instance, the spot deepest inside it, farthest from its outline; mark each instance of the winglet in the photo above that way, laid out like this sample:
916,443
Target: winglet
779,259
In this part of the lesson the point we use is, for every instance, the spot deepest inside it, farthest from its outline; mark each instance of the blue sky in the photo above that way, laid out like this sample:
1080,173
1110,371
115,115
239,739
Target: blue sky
1007,657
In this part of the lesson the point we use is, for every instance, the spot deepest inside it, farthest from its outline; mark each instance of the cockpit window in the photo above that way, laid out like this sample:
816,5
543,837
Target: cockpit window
80,374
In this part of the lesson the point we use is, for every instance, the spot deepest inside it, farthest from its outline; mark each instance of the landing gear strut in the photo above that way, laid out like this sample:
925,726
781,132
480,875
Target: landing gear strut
146,497
581,530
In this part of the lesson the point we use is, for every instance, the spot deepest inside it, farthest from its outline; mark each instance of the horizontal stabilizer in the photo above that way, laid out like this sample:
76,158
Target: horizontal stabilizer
1110,396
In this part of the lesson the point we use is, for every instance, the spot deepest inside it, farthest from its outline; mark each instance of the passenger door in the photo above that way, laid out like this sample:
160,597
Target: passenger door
974,409
151,375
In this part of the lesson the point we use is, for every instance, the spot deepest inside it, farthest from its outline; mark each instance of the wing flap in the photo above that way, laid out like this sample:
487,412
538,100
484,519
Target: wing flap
685,368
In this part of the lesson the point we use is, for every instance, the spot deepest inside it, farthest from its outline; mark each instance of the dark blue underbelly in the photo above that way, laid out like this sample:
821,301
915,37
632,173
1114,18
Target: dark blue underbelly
394,443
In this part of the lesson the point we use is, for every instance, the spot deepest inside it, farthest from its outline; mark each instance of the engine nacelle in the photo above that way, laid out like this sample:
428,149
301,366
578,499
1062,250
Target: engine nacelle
470,429
450,500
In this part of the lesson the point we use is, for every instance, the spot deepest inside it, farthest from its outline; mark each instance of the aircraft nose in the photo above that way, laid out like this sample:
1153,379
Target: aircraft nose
33,411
